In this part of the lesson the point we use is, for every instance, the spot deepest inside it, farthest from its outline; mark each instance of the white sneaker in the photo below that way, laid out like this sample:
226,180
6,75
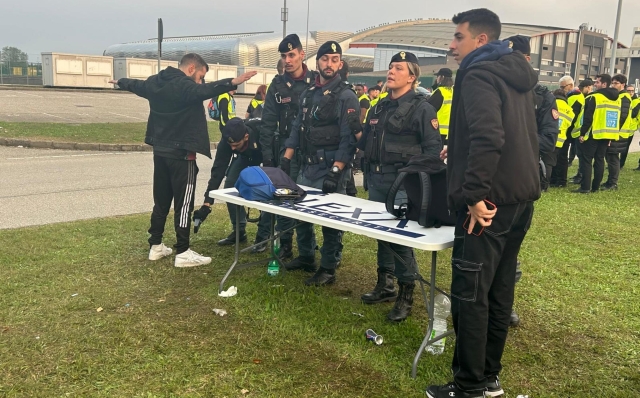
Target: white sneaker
159,251
190,259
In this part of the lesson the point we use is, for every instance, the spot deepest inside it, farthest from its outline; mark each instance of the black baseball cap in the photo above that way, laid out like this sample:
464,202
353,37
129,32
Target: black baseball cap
446,72
234,131
520,43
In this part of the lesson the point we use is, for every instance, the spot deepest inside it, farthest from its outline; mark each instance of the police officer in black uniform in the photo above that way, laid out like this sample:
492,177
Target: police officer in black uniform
324,131
240,143
401,125
280,110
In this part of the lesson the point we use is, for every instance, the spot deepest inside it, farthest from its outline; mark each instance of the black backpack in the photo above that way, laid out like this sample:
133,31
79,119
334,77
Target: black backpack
425,182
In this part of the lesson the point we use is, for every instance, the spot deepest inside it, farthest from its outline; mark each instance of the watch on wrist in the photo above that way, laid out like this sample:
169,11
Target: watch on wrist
335,169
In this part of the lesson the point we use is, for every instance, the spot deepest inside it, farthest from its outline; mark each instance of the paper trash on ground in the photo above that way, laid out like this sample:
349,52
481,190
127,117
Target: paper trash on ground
230,292
219,311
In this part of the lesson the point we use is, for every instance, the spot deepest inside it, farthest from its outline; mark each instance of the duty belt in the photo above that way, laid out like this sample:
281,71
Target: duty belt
315,159
384,168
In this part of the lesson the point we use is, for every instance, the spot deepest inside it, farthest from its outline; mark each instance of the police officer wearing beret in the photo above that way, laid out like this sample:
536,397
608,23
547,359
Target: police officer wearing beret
324,131
281,106
240,144
401,125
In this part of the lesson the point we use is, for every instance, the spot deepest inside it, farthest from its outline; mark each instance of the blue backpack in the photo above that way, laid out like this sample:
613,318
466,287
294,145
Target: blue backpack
214,109
267,183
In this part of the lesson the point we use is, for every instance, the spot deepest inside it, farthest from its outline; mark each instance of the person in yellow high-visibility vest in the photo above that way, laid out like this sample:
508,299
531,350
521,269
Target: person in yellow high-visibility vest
586,89
565,117
441,100
363,99
227,106
617,147
635,123
600,125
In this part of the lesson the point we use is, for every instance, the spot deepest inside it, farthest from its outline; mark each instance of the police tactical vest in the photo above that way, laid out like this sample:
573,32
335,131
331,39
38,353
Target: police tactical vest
625,128
374,102
606,119
288,101
444,113
320,128
390,140
565,117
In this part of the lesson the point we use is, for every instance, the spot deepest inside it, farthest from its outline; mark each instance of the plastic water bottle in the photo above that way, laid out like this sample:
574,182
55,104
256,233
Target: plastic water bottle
441,310
274,266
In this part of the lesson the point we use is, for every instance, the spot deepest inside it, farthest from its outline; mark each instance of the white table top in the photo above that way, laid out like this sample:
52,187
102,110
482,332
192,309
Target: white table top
349,214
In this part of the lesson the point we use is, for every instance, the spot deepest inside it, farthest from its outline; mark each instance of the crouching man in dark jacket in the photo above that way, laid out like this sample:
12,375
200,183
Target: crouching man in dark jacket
493,179
177,130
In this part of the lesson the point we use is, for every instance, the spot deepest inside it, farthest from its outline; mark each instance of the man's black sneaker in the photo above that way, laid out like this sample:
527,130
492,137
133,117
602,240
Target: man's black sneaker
260,248
557,185
581,191
609,187
576,180
514,320
450,390
494,389
231,239
322,277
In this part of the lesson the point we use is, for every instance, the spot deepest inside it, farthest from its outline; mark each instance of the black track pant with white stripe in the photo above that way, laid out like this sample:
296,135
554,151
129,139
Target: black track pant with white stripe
173,179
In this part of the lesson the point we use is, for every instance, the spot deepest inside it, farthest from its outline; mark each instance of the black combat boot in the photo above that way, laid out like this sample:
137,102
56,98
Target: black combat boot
402,309
304,263
384,290
322,277
286,250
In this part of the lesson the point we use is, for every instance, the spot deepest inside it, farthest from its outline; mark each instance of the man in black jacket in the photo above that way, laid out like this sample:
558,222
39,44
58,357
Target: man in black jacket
240,144
616,147
493,179
177,130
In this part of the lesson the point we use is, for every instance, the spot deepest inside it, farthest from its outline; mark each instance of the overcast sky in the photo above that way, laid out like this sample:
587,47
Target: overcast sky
88,27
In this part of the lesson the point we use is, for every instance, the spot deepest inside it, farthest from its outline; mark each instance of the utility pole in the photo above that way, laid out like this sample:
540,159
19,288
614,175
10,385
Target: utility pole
159,42
284,16
306,43
614,47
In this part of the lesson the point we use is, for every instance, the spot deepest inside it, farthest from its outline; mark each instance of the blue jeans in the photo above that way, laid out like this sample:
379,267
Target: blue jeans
406,269
239,163
331,250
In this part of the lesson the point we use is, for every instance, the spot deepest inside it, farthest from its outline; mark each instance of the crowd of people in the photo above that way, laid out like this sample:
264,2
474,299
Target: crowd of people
505,139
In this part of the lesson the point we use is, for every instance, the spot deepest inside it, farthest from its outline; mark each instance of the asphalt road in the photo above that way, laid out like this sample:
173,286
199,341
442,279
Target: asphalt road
43,186
51,106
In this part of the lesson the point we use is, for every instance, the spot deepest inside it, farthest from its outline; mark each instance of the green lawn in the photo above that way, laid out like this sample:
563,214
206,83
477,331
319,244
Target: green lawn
102,133
157,336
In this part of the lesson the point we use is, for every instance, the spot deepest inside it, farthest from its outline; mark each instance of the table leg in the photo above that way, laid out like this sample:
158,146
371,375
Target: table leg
237,253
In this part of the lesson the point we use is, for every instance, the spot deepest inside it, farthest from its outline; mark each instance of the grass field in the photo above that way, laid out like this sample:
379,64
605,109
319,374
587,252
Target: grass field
101,133
156,335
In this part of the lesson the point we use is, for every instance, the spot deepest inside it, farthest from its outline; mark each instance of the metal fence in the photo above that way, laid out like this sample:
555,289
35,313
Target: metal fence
28,71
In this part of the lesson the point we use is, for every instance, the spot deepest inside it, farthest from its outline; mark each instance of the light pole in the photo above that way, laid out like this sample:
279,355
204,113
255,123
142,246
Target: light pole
284,16
614,47
306,43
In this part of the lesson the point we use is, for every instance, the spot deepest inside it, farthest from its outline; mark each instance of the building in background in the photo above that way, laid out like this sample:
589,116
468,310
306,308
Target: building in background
634,58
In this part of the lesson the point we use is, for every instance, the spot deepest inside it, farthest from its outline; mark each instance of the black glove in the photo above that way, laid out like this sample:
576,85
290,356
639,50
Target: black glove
330,183
285,165
199,216
267,163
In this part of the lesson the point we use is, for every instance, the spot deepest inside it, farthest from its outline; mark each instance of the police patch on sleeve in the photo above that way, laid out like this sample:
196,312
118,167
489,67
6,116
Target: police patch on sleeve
435,124
555,114
351,110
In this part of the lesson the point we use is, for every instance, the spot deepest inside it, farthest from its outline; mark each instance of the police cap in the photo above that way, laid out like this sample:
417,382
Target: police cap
446,72
330,47
289,43
520,43
234,130
403,56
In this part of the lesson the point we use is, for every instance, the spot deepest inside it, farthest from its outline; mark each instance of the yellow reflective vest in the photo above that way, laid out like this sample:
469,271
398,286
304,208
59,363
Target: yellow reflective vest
635,122
606,119
375,101
625,129
231,107
565,117
444,113
575,133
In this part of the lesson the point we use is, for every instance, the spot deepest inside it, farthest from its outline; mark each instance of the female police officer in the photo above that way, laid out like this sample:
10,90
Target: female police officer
400,126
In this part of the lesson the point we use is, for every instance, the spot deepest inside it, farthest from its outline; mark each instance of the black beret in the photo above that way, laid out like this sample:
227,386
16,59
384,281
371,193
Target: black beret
520,43
330,47
289,43
403,56
446,72
234,130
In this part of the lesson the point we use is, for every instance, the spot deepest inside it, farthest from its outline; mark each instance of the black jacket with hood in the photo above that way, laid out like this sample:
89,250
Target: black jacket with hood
176,118
493,136
546,119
